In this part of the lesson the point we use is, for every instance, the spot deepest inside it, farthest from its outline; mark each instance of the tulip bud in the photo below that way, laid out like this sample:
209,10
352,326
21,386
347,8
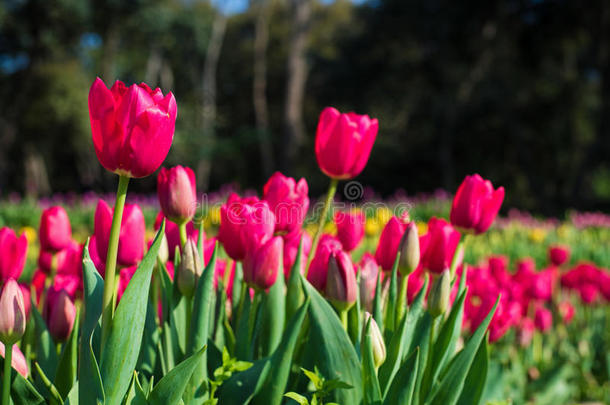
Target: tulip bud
12,313
409,250
369,271
341,285
61,316
177,193
190,269
55,230
379,351
438,299
263,263
163,254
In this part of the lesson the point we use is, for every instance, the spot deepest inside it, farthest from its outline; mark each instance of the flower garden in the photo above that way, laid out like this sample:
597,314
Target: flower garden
271,297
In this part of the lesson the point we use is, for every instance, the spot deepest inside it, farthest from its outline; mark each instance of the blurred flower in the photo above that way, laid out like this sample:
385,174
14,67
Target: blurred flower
288,201
377,343
17,361
526,332
350,228
559,254
12,313
189,270
566,310
443,241
59,313
387,247
291,248
318,268
13,252
55,230
177,193
543,318
476,204
263,263
369,270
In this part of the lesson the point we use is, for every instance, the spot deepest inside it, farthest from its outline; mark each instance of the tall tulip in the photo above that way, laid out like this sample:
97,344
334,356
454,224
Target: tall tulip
13,251
177,193
476,204
350,228
55,230
288,201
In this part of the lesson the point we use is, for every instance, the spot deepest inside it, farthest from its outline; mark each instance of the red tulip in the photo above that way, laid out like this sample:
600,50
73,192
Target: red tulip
55,230
131,238
132,128
441,246
543,318
559,255
177,193
476,204
318,268
389,241
12,313
341,285
13,252
243,223
59,313
288,201
344,142
17,361
350,228
291,248
172,233
263,263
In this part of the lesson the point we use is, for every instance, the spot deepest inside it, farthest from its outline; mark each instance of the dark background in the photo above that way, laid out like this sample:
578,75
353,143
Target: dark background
518,91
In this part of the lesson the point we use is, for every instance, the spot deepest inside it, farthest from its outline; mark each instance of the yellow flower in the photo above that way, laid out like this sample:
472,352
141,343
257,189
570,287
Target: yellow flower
330,228
30,233
371,227
537,235
383,215
422,227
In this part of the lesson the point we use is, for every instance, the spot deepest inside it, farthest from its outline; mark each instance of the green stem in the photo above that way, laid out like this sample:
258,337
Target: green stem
113,248
189,316
454,261
182,229
343,316
431,341
6,383
332,189
252,315
402,299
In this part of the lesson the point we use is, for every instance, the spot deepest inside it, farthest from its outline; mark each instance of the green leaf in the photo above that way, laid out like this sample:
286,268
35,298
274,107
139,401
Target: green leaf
46,354
378,304
390,311
294,291
170,388
477,377
135,394
403,386
354,320
331,348
243,386
372,392
67,368
448,389
121,353
22,391
281,362
274,314
300,399
55,398
421,340
72,397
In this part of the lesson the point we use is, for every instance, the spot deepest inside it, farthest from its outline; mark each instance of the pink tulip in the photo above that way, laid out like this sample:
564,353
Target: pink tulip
131,238
559,255
67,261
99,264
350,229
132,127
341,285
318,268
566,310
543,318
344,143
588,293
476,204
27,299
389,241
244,223
38,281
55,230
262,264
59,313
288,201
12,313
369,270
13,252
172,233
177,193
541,285
291,248
125,276
526,332
17,361
441,246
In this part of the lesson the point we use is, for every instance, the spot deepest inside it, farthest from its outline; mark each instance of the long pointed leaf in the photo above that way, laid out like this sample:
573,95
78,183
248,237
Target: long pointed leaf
477,378
67,368
372,392
402,388
170,388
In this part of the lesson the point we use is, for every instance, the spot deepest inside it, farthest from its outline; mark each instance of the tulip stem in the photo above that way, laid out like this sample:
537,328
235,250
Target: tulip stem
182,229
343,316
332,189
6,383
402,298
457,258
113,248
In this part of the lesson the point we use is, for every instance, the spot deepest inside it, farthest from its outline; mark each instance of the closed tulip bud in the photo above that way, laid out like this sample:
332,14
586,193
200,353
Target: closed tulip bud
476,204
55,230
341,285
263,263
61,315
163,254
438,298
409,250
177,193
189,270
389,242
12,313
369,270
379,350
442,242
13,252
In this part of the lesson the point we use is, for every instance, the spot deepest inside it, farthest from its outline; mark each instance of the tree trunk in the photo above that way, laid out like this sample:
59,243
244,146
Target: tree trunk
208,116
294,131
259,98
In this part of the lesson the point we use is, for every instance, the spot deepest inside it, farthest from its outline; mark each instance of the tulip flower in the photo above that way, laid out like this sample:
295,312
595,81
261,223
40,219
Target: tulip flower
441,246
263,263
350,228
341,285
189,270
244,222
379,349
559,255
438,299
389,241
409,250
13,251
60,314
288,201
132,127
131,237
55,231
566,310
177,193
67,261
12,313
526,332
318,269
369,270
476,204
291,248
17,360
173,234
543,319
344,143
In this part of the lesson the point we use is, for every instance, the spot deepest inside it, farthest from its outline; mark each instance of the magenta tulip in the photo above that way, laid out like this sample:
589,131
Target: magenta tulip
125,276
177,193
13,251
67,261
369,270
350,228
344,143
341,285
262,264
526,332
559,255
441,246
543,318
132,127
318,268
131,238
60,313
12,313
288,201
55,230
566,311
291,248
476,204
389,241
